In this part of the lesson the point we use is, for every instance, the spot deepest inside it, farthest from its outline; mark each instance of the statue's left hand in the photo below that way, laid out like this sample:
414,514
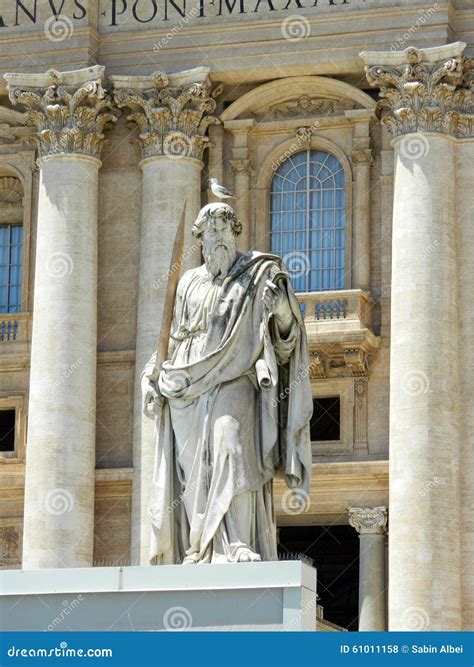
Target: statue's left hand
276,301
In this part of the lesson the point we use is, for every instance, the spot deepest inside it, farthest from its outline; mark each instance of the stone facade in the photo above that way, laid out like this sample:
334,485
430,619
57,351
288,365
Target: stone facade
113,116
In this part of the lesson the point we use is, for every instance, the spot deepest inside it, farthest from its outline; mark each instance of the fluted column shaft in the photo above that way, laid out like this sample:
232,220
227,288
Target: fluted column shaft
60,455
464,210
171,165
424,97
370,523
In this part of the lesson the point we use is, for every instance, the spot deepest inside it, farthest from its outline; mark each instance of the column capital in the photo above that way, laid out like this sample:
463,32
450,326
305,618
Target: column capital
424,90
368,519
69,109
172,111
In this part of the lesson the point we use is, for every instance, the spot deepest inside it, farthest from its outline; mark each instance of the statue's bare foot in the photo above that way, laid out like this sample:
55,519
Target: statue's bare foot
248,556
191,560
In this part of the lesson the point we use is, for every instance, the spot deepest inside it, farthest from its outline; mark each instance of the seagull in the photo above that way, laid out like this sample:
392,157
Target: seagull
220,191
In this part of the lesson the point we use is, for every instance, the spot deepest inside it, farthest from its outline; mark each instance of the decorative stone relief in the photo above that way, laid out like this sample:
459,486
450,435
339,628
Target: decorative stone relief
305,106
11,191
317,369
362,156
172,117
9,545
7,134
368,519
360,417
241,165
69,110
421,95
356,360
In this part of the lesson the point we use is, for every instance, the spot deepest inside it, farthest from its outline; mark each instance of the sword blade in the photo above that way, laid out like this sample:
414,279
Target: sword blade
171,287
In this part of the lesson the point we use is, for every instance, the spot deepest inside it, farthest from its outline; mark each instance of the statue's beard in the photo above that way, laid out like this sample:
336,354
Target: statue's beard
218,260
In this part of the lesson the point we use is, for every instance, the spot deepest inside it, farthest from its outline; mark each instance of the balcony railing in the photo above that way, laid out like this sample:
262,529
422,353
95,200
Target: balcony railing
341,310
14,328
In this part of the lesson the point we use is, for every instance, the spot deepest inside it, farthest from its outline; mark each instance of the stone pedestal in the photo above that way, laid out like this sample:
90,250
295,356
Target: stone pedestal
172,146
370,523
272,596
424,97
68,110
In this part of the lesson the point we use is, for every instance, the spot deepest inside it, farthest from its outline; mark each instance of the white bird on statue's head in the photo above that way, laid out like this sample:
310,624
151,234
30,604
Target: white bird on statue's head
220,191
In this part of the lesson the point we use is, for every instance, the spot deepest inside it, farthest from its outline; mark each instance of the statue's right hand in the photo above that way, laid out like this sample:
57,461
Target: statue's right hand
151,398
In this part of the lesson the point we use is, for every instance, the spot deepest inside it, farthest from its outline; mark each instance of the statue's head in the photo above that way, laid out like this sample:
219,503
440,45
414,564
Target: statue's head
217,228
208,215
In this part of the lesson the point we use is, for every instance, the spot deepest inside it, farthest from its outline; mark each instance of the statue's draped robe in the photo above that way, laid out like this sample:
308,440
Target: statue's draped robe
221,438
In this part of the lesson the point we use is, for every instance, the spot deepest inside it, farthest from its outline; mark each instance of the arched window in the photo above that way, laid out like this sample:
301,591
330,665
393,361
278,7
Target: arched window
11,239
307,220
11,243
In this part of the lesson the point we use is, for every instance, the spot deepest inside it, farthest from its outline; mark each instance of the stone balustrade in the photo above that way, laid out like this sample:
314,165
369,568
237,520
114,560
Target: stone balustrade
339,327
338,309
15,328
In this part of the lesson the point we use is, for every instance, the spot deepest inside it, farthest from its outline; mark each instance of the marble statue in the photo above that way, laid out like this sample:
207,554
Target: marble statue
233,403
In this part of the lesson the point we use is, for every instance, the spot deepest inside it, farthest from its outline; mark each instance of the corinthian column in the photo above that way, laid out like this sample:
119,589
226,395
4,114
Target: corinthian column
424,102
172,113
370,523
69,110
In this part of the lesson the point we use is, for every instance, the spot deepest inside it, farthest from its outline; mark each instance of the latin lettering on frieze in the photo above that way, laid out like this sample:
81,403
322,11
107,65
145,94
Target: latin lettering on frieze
135,14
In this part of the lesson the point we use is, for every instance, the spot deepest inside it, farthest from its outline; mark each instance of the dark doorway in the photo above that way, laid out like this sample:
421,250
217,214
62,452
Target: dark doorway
7,430
326,420
335,552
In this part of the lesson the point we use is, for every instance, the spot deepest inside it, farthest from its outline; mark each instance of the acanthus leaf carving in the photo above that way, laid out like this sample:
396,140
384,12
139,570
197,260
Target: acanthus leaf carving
172,119
69,117
418,95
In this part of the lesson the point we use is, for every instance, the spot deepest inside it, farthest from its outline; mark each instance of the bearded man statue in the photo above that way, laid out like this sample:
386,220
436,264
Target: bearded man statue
234,404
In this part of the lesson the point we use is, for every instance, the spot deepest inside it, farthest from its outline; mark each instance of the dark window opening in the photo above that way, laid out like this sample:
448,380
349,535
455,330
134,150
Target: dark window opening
7,430
326,420
335,552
